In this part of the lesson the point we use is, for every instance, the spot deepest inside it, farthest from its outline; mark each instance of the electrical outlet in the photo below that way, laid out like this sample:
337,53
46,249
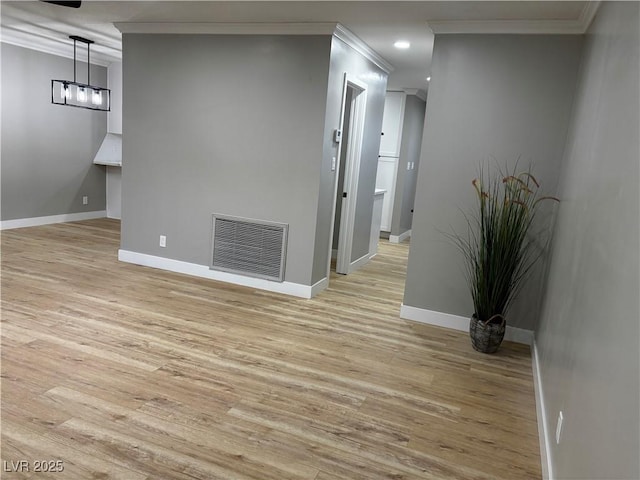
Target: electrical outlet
559,427
163,241
333,164
85,200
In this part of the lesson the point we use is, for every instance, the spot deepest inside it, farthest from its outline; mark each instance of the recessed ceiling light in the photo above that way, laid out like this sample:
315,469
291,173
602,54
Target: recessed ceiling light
402,44
428,79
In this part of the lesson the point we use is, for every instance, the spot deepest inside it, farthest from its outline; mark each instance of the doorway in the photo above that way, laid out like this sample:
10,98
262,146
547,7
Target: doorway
354,99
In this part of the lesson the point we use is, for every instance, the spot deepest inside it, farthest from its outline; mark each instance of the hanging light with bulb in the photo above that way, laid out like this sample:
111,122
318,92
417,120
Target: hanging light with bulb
81,95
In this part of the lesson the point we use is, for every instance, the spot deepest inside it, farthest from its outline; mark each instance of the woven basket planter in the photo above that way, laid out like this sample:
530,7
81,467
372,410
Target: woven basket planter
486,337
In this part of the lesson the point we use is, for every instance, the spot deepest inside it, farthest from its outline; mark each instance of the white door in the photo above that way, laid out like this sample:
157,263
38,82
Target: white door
386,180
357,107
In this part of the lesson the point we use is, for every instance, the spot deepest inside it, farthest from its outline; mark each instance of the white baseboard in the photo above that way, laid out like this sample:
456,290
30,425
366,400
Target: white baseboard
541,413
400,238
431,317
359,263
456,322
519,335
48,220
203,271
317,287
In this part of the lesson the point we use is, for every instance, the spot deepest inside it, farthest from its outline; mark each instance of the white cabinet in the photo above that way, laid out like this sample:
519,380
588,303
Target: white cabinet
388,159
392,124
376,219
386,180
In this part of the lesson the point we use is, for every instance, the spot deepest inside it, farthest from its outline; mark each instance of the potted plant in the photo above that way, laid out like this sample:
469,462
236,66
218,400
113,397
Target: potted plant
499,249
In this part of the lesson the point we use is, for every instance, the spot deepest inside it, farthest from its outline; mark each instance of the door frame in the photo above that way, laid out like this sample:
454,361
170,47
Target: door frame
351,174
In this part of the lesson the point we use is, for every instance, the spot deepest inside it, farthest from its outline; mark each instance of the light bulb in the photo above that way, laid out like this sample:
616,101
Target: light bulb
82,94
64,91
96,97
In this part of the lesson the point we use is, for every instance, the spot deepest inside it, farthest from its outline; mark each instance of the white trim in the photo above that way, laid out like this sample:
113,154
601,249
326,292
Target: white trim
63,218
311,28
40,43
456,322
199,28
520,27
348,37
431,317
203,271
519,335
418,92
335,180
400,238
319,286
358,109
353,266
588,14
541,413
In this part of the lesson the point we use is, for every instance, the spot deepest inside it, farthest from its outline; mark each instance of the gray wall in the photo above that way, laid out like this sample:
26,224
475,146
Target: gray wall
222,124
412,129
47,150
588,335
500,96
345,59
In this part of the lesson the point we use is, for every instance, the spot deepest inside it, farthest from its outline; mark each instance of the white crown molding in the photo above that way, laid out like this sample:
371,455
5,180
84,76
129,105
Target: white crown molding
52,47
335,29
519,27
227,28
588,14
45,35
348,37
418,92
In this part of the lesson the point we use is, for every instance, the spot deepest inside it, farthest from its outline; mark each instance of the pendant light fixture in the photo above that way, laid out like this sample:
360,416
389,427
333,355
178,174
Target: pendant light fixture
81,95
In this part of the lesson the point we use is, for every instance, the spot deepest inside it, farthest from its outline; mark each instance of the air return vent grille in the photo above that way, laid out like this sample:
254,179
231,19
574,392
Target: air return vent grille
249,247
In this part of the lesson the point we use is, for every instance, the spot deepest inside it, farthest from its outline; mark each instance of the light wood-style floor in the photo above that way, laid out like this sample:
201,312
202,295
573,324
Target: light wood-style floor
125,372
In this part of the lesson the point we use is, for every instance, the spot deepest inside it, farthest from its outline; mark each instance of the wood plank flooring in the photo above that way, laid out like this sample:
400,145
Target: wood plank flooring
126,372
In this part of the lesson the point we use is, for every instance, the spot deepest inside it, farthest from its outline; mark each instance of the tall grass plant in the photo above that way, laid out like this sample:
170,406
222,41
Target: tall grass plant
499,248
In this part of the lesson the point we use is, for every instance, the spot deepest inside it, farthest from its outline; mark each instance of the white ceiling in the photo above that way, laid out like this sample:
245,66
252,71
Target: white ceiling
378,23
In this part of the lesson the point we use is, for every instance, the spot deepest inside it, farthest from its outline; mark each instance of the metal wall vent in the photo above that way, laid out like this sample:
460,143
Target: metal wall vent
249,247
